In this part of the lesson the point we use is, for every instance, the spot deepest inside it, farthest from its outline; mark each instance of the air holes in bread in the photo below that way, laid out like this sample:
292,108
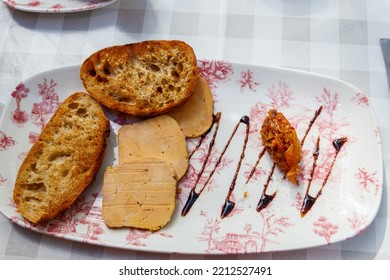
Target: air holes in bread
65,173
92,72
175,74
179,67
107,69
101,79
35,187
84,169
33,167
154,68
57,157
82,112
142,71
31,198
73,105
91,69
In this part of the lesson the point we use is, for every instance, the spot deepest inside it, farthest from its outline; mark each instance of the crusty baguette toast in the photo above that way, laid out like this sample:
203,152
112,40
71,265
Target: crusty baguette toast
63,161
145,79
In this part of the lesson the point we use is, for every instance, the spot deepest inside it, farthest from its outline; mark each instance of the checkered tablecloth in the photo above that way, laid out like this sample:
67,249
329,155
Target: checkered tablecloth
338,38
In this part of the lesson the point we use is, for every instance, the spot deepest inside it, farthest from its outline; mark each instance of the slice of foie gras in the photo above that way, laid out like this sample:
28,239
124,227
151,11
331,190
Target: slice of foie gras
195,117
139,194
159,137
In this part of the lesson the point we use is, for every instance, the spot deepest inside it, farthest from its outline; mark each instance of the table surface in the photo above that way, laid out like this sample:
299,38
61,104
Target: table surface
338,38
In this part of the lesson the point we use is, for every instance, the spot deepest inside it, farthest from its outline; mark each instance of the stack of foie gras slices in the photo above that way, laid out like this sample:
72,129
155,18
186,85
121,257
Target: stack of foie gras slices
140,192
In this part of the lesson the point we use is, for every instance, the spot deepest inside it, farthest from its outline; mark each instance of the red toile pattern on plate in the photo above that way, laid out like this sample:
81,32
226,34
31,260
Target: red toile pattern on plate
137,237
40,111
215,71
73,222
19,117
325,229
341,156
2,180
247,81
6,141
368,182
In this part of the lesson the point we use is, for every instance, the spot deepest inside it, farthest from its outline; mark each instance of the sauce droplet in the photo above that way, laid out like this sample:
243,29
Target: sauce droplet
265,200
193,196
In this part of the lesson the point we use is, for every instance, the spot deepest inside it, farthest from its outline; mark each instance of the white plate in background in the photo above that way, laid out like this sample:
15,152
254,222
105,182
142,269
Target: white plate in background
57,6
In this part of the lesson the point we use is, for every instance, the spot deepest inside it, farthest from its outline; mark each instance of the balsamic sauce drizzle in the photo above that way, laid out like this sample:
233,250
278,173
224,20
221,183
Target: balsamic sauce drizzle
229,205
193,194
216,119
316,114
202,137
261,154
266,199
309,200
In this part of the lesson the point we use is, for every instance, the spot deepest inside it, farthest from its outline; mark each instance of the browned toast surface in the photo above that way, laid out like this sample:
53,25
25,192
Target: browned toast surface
63,161
148,78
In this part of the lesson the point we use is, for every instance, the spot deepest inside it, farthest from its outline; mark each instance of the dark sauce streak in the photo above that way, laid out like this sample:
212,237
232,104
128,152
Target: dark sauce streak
266,199
307,204
312,121
216,119
229,205
309,200
194,195
227,208
223,153
190,202
339,143
255,166
202,137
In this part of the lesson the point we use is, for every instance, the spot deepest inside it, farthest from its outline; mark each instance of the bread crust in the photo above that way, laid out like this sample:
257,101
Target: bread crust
145,79
63,161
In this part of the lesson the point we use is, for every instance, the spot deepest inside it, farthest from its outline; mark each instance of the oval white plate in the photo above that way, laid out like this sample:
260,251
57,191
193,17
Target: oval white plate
349,200
57,6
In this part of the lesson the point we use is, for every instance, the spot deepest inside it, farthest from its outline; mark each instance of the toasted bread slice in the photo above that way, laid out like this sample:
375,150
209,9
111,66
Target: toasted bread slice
195,117
142,79
139,194
63,161
159,137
